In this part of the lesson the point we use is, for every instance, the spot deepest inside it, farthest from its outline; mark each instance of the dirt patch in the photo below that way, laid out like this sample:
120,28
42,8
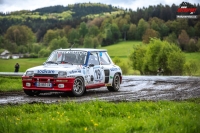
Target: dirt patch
133,88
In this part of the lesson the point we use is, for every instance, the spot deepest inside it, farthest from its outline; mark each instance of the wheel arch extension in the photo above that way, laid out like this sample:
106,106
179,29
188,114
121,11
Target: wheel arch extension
81,78
120,75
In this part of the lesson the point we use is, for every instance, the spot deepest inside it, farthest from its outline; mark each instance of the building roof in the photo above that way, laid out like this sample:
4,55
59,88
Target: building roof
5,52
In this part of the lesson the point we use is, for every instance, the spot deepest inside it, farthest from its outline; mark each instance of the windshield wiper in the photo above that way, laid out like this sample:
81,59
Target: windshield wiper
52,62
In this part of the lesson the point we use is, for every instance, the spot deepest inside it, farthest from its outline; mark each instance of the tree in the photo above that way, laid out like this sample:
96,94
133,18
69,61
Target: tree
50,35
115,33
141,28
96,42
131,35
149,33
73,36
125,29
83,29
93,31
197,27
183,39
58,43
192,46
164,30
21,35
171,38
107,36
88,42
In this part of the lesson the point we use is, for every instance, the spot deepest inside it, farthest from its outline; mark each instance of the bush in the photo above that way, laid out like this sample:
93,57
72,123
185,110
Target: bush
158,54
124,67
117,60
33,55
176,61
44,53
191,67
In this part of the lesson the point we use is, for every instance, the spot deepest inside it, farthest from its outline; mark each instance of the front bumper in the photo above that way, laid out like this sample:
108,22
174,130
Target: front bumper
55,84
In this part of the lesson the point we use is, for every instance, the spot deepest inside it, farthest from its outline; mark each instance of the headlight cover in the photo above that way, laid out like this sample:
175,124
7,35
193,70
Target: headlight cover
62,74
29,73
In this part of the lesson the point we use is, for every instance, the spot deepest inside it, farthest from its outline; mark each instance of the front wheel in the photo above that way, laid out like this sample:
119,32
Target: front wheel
31,92
78,87
115,84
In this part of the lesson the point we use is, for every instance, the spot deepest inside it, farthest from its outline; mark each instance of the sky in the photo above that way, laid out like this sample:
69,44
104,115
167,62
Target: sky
16,5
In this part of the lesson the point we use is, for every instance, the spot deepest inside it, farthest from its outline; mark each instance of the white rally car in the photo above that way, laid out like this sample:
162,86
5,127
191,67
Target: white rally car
73,70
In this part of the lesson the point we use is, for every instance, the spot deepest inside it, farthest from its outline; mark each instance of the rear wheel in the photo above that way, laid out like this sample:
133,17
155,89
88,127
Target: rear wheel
32,92
116,83
78,87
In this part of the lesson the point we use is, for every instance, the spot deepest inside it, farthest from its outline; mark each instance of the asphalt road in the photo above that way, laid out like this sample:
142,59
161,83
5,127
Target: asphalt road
133,88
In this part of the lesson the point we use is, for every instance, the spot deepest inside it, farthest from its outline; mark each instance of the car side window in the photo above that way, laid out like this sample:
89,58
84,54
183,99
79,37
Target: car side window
104,58
93,59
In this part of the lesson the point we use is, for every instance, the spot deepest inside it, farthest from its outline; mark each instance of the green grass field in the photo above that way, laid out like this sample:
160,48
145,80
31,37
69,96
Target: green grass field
122,49
102,117
9,65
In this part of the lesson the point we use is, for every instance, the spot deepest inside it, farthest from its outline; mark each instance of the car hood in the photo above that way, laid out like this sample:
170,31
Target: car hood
54,68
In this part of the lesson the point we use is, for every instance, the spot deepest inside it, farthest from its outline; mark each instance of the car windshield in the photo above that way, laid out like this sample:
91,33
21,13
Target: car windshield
70,57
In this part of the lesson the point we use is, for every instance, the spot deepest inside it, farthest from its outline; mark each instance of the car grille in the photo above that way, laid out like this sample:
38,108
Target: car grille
46,75
107,73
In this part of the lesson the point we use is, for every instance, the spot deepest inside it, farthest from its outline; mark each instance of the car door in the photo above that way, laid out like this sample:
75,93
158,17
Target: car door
94,69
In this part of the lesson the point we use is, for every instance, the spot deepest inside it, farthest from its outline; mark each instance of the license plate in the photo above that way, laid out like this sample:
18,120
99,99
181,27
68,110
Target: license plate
44,85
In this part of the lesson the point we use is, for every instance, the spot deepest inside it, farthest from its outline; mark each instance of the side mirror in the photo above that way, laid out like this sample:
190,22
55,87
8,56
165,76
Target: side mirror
91,65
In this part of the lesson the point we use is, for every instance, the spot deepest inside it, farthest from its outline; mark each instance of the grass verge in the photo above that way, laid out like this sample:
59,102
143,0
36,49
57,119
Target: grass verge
102,117
10,84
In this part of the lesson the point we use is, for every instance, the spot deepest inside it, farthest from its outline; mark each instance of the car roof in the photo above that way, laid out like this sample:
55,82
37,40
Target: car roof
82,49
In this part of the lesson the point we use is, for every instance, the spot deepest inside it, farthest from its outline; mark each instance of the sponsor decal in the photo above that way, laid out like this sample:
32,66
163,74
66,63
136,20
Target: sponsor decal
77,52
46,71
111,77
100,53
114,69
98,75
84,72
75,71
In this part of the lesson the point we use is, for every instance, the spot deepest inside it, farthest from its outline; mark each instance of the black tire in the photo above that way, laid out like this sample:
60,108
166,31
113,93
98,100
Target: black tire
115,84
78,87
32,92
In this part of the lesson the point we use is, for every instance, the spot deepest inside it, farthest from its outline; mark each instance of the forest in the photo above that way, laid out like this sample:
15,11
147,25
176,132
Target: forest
93,25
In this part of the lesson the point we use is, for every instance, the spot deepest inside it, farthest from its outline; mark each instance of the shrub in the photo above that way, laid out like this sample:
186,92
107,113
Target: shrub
33,55
116,60
124,68
158,54
191,67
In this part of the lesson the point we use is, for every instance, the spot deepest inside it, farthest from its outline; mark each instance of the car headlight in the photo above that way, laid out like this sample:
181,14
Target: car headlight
29,73
62,74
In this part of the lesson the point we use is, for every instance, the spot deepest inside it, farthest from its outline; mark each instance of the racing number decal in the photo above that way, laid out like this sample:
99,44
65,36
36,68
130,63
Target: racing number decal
97,74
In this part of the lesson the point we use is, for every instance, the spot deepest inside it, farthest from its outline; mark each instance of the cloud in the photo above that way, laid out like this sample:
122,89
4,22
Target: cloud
14,5
1,1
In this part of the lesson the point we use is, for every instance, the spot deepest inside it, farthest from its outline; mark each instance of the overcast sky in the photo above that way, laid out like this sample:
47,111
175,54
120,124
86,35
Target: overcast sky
16,5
